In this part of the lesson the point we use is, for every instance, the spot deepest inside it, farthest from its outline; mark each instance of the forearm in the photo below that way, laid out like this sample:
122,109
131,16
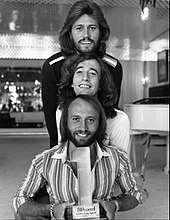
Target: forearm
118,81
34,209
127,202
49,99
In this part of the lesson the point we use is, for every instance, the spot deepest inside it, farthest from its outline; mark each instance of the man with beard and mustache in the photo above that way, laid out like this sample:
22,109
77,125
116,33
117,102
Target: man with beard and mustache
85,30
82,124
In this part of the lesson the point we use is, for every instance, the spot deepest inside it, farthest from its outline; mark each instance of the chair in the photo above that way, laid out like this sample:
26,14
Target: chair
140,144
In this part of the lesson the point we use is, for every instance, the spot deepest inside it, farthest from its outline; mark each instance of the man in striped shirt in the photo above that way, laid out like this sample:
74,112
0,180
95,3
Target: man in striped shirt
83,124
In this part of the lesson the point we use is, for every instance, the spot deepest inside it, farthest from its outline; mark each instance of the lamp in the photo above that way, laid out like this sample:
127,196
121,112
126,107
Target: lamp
145,81
143,3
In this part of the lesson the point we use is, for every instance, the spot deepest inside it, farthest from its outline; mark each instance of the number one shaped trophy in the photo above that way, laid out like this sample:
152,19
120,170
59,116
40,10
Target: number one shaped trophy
85,208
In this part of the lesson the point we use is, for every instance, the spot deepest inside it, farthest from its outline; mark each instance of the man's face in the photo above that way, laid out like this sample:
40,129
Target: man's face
83,121
85,34
86,77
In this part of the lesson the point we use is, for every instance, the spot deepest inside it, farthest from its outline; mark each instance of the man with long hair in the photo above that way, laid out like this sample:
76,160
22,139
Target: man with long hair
85,30
82,125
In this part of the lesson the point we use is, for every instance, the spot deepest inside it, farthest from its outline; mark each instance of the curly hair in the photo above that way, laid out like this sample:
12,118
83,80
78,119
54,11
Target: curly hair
76,11
107,94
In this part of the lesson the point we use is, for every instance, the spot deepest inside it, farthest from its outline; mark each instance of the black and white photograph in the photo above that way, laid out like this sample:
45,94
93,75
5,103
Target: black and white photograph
84,109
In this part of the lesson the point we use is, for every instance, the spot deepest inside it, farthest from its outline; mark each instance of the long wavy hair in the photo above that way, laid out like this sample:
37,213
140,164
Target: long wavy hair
107,93
76,11
101,131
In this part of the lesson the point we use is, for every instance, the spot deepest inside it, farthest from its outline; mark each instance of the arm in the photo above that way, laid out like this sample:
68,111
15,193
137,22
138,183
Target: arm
118,131
130,197
126,180
116,71
49,98
127,202
118,80
35,209
31,184
117,74
23,203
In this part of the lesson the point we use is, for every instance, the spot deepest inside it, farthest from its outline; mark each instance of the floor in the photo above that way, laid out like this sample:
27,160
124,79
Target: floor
17,151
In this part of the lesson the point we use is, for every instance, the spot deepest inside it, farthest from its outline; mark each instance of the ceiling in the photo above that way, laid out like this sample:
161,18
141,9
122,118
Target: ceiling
131,38
106,3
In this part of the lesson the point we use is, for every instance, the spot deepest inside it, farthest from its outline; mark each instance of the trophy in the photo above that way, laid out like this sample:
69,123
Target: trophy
85,209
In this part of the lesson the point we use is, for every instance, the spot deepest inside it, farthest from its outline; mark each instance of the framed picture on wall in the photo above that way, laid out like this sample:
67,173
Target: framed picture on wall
163,66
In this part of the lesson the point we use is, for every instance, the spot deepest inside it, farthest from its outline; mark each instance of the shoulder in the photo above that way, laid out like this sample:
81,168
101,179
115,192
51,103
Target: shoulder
121,115
120,118
45,155
111,61
117,155
55,59
120,154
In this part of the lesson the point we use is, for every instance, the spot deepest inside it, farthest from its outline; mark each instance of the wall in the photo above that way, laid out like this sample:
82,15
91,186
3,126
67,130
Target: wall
132,87
20,63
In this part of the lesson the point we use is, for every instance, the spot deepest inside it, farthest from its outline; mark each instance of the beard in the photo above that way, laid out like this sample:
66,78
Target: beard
85,48
81,142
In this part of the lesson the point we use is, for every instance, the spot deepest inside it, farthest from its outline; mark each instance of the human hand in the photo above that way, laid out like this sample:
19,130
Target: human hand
144,193
59,209
109,206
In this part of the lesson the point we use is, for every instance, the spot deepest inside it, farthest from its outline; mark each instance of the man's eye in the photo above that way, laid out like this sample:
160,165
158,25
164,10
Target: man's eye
91,120
76,119
79,28
93,28
78,72
93,73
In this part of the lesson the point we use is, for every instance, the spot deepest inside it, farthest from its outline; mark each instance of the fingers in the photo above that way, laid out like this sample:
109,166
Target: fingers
108,206
59,209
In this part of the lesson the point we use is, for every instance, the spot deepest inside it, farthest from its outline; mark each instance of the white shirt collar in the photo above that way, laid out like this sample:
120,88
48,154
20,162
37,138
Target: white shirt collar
61,152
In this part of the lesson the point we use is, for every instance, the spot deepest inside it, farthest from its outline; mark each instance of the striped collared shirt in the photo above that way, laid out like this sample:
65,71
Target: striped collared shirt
52,168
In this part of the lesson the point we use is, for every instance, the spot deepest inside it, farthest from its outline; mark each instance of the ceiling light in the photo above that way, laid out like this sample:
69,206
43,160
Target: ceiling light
145,13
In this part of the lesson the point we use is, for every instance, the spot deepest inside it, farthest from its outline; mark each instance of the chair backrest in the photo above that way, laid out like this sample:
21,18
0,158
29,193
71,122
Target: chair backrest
138,158
139,154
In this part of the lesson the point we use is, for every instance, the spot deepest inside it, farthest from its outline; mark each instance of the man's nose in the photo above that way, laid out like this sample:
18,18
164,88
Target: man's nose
85,76
86,32
83,125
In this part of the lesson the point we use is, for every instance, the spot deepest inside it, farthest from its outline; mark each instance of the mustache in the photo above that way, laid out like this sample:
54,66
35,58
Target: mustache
82,132
86,39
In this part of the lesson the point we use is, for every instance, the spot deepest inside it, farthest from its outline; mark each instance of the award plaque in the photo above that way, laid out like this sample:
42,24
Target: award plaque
85,209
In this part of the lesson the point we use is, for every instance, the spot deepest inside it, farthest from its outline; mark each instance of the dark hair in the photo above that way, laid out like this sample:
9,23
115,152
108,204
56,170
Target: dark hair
101,132
76,11
107,94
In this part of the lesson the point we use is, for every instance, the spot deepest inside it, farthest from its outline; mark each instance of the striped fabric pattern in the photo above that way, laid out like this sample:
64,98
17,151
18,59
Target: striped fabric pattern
53,169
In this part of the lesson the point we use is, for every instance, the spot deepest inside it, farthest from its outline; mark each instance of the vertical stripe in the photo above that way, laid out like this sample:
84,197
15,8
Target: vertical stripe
62,184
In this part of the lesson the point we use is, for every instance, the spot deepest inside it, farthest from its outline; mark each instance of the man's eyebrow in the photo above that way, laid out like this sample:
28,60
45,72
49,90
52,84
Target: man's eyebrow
79,67
75,115
91,68
94,69
90,116
77,25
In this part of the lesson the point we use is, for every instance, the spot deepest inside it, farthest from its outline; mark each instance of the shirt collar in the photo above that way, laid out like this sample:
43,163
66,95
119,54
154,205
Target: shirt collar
101,152
61,152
